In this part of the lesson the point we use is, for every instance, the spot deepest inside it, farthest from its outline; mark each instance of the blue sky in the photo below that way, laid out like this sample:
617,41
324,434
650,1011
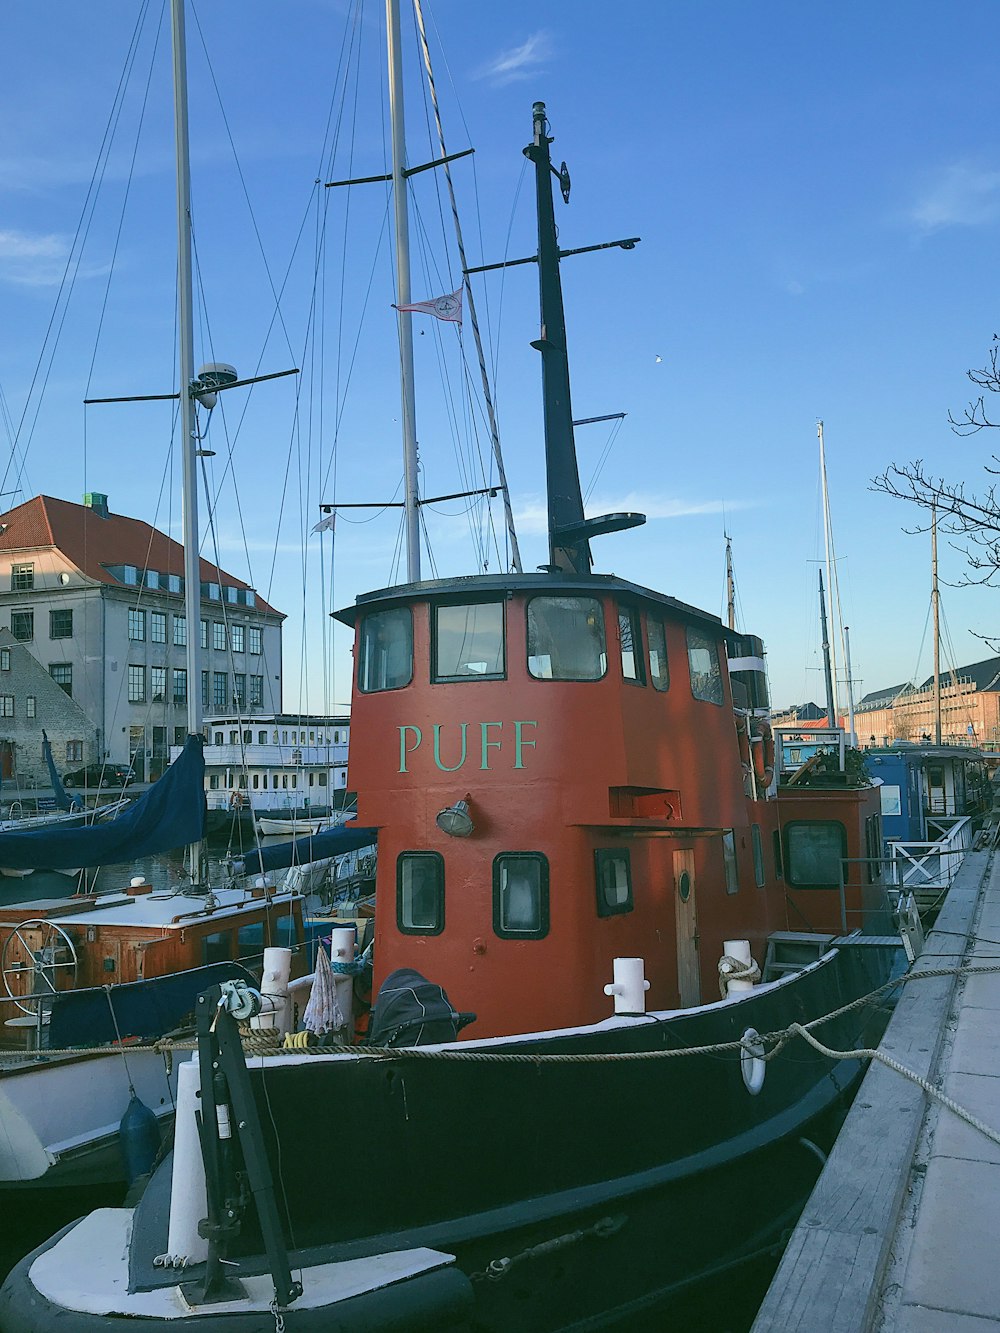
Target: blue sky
818,194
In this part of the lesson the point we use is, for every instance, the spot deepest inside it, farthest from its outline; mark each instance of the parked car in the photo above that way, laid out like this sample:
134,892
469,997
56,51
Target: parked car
99,775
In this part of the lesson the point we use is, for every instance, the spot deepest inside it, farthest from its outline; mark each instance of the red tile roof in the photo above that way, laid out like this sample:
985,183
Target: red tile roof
91,542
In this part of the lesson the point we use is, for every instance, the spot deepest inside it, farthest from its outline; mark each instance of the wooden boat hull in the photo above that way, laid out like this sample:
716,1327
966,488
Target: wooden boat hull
567,1192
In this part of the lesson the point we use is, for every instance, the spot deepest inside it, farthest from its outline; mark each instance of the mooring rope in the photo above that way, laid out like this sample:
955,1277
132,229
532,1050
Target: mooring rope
264,1042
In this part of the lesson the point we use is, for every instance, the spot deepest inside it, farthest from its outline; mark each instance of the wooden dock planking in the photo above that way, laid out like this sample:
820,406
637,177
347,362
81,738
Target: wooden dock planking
830,1276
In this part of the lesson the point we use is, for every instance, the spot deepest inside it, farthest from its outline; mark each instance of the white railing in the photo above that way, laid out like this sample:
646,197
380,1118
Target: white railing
931,865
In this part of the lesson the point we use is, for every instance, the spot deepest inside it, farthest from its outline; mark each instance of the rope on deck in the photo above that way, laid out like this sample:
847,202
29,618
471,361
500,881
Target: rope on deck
264,1042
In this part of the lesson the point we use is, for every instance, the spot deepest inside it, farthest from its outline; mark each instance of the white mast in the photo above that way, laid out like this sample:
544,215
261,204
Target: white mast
831,570
936,604
404,318
189,440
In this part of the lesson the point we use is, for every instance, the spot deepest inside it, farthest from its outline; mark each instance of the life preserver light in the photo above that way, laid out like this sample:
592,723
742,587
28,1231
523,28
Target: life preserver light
763,752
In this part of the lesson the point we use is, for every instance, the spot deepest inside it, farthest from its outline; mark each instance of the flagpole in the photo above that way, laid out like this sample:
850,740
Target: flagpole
404,318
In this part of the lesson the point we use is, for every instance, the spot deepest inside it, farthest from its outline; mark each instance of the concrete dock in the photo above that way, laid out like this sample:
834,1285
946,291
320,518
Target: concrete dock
901,1233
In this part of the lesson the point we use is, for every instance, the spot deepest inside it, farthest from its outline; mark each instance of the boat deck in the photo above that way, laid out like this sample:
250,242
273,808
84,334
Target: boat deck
899,1235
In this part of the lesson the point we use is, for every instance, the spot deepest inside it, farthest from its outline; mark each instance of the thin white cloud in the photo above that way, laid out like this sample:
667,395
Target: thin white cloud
33,261
963,195
531,512
520,62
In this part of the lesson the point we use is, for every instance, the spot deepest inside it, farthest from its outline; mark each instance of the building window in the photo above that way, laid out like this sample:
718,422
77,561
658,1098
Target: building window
74,752
31,703
385,654
566,638
614,881
237,634
4,659
179,735
468,642
6,705
659,672
239,689
62,674
220,689
180,632
152,578
22,625
174,582
157,627
204,689
218,636
255,639
703,664
758,855
204,633
257,692
136,624
130,574
814,853
231,593
22,578
158,684
214,592
420,893
521,893
60,624
630,642
180,685
137,684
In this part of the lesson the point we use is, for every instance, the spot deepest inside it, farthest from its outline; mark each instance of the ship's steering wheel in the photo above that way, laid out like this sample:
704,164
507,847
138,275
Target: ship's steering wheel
46,965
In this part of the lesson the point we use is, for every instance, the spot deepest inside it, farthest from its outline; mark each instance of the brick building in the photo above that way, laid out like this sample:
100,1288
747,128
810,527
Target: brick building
97,599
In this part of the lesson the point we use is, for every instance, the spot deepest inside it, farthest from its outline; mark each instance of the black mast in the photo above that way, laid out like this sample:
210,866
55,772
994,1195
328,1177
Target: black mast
569,531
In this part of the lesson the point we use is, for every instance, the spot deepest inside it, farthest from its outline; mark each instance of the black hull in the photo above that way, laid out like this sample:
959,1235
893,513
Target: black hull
573,1195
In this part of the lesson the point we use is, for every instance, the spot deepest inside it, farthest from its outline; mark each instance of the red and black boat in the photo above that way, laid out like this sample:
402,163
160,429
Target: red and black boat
580,829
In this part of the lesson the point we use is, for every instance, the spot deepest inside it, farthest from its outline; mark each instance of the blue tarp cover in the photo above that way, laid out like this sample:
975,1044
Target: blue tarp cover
58,790
144,1009
331,842
170,815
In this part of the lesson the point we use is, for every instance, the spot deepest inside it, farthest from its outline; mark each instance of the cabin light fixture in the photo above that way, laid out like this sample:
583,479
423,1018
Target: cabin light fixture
454,819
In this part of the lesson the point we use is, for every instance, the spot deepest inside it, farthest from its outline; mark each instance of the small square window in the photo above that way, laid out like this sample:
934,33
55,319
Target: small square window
520,895
22,577
60,624
22,625
614,881
420,893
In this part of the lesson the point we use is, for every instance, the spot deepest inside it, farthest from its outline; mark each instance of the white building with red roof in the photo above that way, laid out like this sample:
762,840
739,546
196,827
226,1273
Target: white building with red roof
98,600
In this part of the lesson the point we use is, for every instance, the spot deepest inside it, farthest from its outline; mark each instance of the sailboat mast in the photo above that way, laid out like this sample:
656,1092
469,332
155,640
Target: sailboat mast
936,605
404,319
831,572
572,552
189,440
831,706
730,585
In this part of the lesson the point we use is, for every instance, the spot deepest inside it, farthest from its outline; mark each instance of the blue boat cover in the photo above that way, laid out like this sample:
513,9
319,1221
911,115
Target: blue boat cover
143,1009
330,842
170,815
55,781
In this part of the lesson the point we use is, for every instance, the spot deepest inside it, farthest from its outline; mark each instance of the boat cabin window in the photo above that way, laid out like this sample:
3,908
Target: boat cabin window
284,931
566,638
521,895
814,853
656,634
385,650
630,642
420,893
730,862
614,881
873,847
758,855
703,663
250,945
217,948
468,642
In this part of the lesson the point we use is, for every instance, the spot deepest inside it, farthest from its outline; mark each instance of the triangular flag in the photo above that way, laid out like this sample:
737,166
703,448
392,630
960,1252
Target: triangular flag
441,307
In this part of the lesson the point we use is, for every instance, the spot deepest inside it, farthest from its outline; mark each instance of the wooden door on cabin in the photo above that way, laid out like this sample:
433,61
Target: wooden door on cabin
686,915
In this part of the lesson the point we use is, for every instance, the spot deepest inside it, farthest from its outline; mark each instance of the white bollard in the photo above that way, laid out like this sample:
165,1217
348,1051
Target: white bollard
629,986
188,1201
274,991
740,950
342,945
